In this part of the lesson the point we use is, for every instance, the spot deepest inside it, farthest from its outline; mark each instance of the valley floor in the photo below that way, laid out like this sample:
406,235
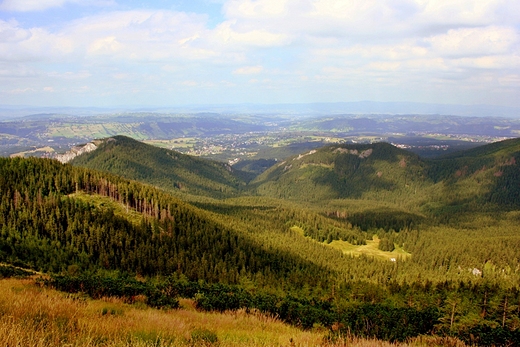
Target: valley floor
34,316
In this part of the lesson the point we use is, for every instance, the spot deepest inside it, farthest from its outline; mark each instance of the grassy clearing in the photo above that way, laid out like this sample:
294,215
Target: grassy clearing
35,316
95,130
46,149
175,143
371,249
106,203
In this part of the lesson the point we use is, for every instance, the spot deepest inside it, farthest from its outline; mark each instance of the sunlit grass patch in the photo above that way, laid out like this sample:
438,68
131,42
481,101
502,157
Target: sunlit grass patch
104,202
34,316
371,249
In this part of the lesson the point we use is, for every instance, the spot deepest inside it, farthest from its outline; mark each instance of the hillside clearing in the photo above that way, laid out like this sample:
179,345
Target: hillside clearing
371,249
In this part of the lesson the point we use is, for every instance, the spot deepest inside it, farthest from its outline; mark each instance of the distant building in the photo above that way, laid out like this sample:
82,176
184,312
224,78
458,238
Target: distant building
476,272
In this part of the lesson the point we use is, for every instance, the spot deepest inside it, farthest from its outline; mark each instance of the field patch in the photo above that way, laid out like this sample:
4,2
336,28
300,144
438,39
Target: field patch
371,249
46,149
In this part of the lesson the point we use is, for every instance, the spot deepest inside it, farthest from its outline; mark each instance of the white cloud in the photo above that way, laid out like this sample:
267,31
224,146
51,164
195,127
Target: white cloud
346,46
106,45
504,63
33,44
255,8
30,5
262,38
466,12
356,20
40,5
490,40
69,75
510,80
248,70
20,90
143,35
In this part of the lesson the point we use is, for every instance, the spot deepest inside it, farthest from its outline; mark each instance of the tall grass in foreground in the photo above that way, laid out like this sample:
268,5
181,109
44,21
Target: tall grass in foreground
32,316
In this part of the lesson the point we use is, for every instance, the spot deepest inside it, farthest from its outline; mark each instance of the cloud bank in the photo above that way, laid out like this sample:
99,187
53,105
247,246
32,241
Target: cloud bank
459,51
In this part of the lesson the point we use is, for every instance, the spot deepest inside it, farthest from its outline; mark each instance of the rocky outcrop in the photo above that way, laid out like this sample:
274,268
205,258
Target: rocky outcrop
75,151
364,154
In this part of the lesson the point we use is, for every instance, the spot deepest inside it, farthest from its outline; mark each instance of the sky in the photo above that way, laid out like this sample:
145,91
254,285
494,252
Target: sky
104,53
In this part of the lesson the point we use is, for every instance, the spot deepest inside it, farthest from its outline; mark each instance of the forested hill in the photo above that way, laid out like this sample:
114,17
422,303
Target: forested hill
164,168
54,217
379,171
486,177
362,268
483,177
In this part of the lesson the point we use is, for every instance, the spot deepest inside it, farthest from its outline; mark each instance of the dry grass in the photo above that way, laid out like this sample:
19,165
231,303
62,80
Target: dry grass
31,316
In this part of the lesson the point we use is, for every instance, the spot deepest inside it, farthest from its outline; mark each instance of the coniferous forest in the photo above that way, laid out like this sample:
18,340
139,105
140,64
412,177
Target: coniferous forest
365,239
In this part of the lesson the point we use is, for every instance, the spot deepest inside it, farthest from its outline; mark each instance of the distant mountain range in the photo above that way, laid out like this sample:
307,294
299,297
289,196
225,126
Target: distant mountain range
356,107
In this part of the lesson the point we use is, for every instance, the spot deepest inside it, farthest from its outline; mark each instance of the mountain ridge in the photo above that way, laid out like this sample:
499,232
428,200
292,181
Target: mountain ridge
480,178
377,171
71,220
170,170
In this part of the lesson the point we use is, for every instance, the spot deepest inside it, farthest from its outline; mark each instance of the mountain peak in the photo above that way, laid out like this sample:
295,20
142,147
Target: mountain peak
170,170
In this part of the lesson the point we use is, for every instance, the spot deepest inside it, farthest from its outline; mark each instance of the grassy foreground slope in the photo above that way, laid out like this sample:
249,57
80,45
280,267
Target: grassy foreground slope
36,317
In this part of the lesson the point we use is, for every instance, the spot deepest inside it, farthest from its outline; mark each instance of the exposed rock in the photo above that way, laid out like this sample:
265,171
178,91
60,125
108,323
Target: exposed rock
75,151
362,155
476,272
303,155
366,154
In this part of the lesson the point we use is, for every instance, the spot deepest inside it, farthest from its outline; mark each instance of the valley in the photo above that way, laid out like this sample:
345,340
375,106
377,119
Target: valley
341,237
231,137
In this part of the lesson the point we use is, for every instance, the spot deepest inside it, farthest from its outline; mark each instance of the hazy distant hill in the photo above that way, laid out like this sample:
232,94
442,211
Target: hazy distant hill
356,107
164,168
411,124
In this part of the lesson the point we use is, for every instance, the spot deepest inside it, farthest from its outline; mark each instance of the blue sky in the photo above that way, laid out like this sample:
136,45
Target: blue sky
168,53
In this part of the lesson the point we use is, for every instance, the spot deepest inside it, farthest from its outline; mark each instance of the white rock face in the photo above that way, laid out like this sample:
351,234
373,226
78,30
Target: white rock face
362,155
75,151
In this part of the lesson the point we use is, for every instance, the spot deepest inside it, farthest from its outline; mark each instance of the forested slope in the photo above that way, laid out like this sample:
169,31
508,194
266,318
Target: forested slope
461,278
48,223
170,170
366,171
484,178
